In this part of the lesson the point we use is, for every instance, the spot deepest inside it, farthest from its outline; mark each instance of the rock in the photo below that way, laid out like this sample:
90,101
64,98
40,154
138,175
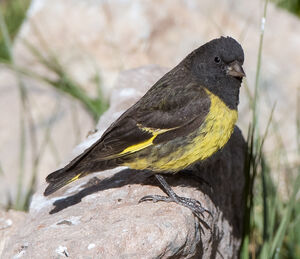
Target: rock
10,222
99,216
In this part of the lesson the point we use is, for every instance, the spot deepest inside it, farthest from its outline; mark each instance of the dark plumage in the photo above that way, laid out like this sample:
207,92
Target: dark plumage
179,121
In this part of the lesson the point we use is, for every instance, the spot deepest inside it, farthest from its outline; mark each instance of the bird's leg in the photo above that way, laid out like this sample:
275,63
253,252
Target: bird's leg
194,205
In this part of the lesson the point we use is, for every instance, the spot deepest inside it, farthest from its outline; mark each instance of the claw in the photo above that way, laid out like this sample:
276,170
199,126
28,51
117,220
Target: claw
194,205
208,212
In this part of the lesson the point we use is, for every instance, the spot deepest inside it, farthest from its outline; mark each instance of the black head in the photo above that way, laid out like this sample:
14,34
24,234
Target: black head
218,66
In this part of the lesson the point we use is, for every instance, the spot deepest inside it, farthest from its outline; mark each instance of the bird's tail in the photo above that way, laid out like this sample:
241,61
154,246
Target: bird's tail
74,171
60,178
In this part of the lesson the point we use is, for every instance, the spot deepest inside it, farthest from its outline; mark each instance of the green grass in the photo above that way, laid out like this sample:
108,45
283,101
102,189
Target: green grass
64,83
14,12
271,223
7,13
292,6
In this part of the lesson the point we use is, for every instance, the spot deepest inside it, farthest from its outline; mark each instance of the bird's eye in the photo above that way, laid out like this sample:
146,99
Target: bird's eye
217,59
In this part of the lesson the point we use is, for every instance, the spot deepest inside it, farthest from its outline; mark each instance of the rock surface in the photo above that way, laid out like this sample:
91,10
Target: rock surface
100,217
10,222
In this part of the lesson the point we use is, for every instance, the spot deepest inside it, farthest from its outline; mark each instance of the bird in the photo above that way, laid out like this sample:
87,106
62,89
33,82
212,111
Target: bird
184,118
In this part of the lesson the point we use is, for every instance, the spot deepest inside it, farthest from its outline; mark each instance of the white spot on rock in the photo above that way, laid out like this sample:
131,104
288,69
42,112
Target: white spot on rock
8,222
91,246
19,255
5,223
62,250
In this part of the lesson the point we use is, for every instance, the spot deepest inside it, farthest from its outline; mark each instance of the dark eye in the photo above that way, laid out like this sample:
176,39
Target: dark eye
217,60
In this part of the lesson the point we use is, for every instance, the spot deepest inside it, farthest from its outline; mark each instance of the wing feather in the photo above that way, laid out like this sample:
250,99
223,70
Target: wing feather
151,121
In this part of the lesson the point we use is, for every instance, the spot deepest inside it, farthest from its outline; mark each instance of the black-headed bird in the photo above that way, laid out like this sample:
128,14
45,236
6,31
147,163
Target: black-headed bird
185,117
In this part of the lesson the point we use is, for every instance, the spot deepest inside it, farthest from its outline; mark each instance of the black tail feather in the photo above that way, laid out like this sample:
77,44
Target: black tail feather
55,175
60,178
66,175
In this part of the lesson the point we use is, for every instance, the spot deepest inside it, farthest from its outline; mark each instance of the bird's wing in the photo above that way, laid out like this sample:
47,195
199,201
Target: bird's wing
152,120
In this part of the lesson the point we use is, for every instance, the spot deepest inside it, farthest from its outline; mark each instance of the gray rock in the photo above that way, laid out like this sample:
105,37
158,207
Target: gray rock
10,221
99,216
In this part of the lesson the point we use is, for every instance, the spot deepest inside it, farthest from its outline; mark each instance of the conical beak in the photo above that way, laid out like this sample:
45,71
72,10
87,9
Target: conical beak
235,69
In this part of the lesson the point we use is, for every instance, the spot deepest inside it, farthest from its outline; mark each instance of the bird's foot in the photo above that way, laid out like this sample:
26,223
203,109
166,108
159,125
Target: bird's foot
194,205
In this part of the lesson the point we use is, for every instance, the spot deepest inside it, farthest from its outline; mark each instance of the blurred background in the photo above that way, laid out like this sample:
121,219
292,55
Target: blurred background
60,61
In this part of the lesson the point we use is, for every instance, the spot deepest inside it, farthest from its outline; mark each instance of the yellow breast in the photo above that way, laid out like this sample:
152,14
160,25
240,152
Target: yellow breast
208,139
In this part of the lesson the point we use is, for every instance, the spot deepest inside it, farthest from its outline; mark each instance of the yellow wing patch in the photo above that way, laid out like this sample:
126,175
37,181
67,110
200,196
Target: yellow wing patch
146,143
75,178
139,146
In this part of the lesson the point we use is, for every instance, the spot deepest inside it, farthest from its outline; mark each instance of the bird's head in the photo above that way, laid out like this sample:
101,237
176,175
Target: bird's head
217,65
222,57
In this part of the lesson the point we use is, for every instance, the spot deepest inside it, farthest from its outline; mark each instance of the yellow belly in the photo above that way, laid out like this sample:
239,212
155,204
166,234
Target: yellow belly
199,145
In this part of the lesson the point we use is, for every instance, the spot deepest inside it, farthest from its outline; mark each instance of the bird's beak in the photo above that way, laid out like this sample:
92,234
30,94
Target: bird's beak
235,69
